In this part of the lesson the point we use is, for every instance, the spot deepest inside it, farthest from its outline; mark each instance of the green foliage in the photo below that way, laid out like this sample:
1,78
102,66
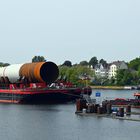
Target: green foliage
38,59
134,64
104,81
67,63
74,74
93,61
103,62
138,71
84,63
127,77
4,64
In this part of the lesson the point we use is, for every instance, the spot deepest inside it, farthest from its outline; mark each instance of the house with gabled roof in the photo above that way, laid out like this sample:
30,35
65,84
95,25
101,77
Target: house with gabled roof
100,71
114,66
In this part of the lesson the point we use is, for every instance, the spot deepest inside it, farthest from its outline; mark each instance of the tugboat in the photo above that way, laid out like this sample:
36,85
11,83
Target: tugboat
137,95
124,102
31,83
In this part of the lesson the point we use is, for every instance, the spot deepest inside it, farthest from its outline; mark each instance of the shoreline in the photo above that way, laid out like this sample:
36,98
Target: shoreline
114,87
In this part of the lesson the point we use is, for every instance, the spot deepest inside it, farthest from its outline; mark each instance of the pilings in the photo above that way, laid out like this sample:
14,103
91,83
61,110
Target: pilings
92,108
80,105
106,108
109,108
121,112
128,110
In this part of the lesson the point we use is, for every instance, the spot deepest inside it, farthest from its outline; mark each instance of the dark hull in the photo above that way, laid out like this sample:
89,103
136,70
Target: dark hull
120,102
41,96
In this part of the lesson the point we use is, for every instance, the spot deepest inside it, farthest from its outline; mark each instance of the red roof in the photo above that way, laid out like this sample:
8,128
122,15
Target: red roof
136,94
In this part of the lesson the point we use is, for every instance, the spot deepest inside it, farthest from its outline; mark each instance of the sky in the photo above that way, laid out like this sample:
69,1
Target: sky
74,30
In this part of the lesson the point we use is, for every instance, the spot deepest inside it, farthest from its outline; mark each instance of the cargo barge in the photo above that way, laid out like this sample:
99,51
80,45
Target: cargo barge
124,102
30,83
43,95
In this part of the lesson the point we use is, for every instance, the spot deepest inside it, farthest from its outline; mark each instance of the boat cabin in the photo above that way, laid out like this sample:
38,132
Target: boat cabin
137,95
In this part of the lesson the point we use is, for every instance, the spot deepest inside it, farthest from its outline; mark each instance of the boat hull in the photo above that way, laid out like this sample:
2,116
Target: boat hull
123,102
41,96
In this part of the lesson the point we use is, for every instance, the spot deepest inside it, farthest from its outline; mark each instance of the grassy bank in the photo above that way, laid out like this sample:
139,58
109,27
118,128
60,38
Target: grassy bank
108,87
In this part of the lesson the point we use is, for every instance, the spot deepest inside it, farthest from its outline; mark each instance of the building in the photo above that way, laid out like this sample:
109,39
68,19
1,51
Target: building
101,71
114,66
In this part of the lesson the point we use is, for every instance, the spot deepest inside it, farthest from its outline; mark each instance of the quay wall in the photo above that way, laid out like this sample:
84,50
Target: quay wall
112,87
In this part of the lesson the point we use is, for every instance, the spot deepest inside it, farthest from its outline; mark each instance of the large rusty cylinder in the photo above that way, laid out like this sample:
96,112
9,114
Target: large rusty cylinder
39,72
32,72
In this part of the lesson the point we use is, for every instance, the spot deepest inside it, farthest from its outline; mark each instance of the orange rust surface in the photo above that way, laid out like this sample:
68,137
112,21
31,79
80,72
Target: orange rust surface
37,71
32,71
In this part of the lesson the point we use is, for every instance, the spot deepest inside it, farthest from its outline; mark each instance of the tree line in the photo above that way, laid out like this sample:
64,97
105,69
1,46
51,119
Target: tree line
4,64
130,76
82,73
92,62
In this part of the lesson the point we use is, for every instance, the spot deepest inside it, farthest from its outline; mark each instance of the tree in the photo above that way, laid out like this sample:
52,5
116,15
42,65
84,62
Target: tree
67,63
103,62
4,64
84,63
73,74
124,77
134,64
93,61
38,59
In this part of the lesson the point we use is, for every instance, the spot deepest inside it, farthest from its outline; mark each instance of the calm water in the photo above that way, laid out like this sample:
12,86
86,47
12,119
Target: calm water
59,122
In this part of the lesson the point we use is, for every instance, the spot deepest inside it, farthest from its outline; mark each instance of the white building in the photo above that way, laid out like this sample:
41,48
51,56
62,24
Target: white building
113,67
100,71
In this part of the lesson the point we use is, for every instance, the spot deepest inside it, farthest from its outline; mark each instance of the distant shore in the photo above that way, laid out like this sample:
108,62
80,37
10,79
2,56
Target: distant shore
113,87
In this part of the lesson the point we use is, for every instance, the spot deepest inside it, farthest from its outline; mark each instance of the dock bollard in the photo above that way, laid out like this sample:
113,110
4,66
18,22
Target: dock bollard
78,106
128,110
104,106
100,110
90,108
84,110
83,103
96,108
109,108
121,112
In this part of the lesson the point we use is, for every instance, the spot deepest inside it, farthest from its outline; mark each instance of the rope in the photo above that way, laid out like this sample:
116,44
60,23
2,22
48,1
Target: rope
72,94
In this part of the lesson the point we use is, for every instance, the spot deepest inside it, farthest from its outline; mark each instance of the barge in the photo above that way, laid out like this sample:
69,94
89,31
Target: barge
30,83
41,94
124,102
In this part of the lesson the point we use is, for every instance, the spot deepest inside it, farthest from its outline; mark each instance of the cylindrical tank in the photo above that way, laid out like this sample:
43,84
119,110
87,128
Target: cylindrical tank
100,110
1,71
33,72
109,108
104,106
79,105
90,108
121,112
96,108
128,109
12,72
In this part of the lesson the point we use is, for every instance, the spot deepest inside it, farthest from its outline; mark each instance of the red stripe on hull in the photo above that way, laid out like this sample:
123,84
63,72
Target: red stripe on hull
9,101
18,91
41,95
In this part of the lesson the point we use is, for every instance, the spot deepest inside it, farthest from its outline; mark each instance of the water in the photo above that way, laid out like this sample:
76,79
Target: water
115,93
59,122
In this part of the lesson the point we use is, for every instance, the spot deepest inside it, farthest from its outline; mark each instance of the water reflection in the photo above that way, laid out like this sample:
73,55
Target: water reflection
59,122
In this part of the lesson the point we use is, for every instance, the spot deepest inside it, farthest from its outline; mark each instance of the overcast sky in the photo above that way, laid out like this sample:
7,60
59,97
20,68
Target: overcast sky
74,30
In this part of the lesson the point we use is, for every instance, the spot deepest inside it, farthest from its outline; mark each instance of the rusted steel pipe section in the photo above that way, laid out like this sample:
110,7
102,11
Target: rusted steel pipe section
32,72
128,109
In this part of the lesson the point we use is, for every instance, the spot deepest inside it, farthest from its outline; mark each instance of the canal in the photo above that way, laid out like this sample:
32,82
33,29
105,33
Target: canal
59,122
